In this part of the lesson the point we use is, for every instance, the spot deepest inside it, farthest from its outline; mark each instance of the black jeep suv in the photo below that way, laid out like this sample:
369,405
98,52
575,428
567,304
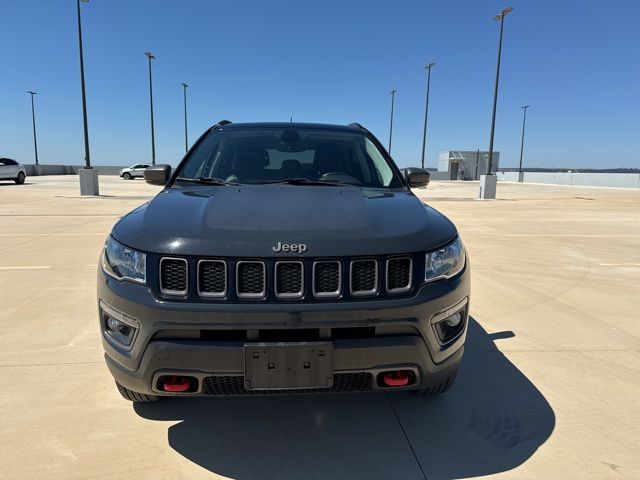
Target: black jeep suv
283,257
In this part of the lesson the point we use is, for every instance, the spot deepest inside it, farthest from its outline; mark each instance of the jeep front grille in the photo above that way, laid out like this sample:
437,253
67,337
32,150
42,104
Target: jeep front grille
173,276
251,279
212,278
327,278
364,277
219,279
289,279
399,272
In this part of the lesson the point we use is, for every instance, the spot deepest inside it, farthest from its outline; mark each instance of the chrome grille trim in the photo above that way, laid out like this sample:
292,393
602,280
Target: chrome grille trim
405,288
259,295
298,294
359,293
186,270
336,293
226,280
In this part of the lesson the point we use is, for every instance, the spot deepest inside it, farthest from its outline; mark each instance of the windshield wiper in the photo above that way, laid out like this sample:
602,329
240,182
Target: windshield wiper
306,181
207,180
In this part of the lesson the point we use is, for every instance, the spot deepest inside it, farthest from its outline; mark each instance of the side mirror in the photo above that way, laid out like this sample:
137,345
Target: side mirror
158,174
416,177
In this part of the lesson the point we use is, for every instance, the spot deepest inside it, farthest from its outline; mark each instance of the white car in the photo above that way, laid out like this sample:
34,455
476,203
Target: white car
133,171
12,170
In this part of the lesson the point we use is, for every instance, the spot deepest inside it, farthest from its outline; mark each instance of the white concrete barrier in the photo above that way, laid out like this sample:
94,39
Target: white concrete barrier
36,170
619,180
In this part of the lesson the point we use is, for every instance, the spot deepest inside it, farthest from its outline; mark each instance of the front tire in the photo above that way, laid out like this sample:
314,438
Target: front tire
20,178
126,176
438,388
135,396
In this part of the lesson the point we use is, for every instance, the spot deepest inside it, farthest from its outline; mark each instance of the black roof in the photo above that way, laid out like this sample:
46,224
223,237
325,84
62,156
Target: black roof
306,126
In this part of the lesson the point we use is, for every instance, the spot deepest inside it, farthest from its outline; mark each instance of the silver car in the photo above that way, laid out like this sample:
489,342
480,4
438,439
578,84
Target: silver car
12,170
133,171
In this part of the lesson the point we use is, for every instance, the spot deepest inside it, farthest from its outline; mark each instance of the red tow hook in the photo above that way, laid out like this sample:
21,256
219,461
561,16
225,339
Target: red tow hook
398,378
176,384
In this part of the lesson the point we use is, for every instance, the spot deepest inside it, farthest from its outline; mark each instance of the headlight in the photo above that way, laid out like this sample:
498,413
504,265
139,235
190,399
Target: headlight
123,262
445,262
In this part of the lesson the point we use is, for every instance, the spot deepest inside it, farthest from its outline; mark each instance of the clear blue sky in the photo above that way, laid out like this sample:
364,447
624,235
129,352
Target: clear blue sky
576,62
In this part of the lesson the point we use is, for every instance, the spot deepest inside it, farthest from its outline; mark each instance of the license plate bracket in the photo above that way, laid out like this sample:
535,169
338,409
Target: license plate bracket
288,365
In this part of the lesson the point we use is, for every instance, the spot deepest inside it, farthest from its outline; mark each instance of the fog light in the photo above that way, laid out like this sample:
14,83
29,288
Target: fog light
454,320
450,327
117,327
113,324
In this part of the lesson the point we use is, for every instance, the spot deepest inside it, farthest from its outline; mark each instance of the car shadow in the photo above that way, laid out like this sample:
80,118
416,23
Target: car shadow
491,421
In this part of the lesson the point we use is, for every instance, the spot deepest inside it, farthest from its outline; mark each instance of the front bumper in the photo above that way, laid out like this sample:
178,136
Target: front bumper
174,337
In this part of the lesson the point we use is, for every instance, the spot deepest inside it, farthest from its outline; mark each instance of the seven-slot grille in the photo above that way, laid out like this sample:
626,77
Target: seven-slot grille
212,278
289,279
365,277
251,279
399,272
173,276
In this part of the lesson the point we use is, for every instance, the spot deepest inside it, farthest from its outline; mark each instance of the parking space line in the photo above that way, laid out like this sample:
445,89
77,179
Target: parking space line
30,267
99,362
619,264
51,234
595,235
61,215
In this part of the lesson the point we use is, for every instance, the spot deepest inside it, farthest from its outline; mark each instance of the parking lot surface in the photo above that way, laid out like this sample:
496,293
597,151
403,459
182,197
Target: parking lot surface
549,387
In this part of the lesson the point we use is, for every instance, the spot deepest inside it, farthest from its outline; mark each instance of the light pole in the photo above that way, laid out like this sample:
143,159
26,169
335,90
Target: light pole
524,122
186,138
426,109
499,17
488,181
33,117
88,176
153,133
393,98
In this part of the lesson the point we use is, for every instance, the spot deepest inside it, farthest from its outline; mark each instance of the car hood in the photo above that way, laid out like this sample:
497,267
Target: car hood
248,220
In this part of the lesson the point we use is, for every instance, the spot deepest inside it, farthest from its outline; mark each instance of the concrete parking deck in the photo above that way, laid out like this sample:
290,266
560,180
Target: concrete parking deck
549,388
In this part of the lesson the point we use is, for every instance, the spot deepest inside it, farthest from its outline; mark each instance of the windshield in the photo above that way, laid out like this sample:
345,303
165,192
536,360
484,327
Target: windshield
271,155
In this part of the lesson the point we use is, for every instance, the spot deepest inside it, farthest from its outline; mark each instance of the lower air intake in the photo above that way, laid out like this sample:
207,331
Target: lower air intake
234,385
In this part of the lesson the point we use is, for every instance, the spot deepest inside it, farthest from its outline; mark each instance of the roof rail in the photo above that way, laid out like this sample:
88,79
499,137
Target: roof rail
357,125
220,124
